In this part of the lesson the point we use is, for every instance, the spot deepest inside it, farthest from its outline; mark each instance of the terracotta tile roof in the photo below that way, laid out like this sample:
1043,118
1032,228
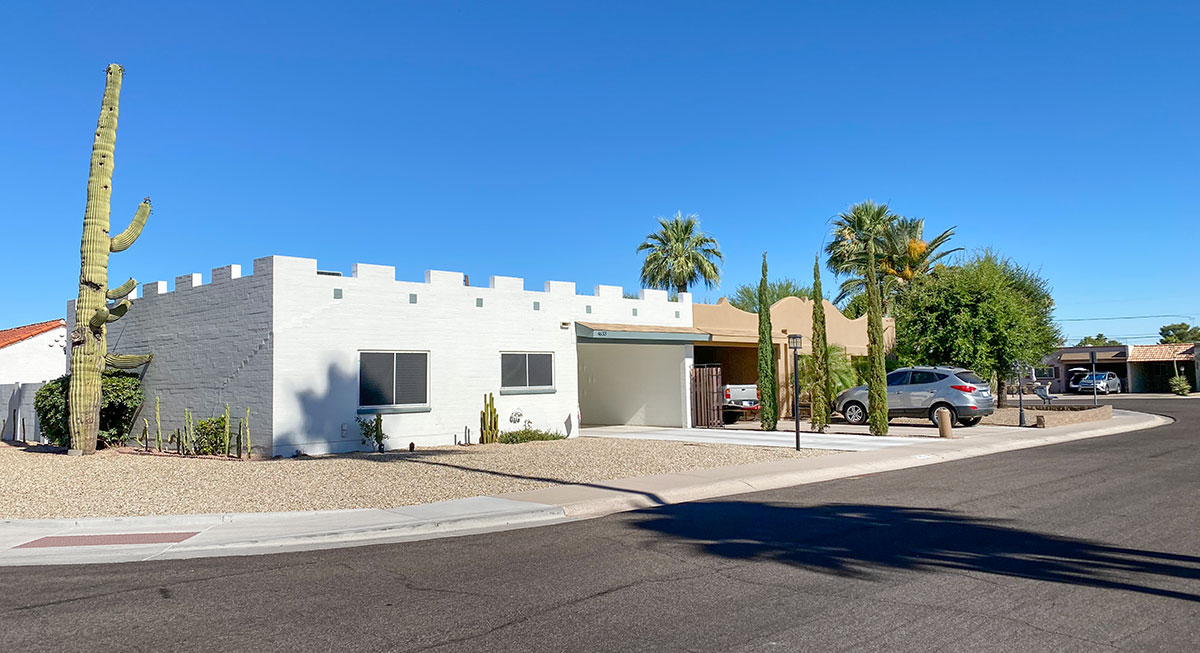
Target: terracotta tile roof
1184,351
17,334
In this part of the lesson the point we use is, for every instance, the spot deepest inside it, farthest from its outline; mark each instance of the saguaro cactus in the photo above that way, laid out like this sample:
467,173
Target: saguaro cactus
89,351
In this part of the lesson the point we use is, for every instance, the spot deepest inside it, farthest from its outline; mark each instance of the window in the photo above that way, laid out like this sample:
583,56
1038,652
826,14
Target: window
635,312
922,376
526,372
478,302
337,293
412,298
537,306
587,309
899,377
393,378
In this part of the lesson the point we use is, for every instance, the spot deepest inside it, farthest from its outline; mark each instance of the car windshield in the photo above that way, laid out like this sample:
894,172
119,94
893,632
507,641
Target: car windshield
970,377
1097,377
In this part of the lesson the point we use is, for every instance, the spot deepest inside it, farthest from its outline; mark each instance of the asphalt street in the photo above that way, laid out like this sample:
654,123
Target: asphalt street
1092,545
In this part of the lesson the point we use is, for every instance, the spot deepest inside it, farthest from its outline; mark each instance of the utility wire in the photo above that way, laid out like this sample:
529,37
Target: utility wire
1122,317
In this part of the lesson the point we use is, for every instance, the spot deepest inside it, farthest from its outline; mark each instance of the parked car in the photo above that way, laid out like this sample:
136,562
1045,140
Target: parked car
1102,382
921,391
739,399
1076,375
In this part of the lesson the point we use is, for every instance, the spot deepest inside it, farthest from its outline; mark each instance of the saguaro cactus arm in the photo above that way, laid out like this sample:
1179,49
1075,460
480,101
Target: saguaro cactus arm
99,318
117,312
127,361
123,240
122,290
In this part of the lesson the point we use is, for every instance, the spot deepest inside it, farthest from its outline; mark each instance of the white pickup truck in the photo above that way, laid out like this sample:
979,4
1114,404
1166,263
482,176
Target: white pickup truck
739,399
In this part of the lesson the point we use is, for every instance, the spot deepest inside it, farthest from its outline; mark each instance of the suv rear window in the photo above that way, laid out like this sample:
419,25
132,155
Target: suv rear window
970,377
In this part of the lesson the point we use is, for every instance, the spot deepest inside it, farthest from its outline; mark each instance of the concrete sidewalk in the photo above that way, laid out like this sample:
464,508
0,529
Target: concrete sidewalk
841,438
127,539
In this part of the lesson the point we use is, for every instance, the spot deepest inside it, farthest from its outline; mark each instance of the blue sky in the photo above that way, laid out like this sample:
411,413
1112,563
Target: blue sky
541,139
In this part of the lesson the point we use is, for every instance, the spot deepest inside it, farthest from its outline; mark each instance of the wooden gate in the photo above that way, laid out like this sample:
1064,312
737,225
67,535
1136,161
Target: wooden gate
706,397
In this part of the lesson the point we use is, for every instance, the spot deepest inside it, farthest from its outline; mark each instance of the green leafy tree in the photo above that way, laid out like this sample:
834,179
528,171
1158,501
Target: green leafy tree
822,394
1098,340
679,255
121,396
986,314
768,379
877,408
745,296
856,307
1180,332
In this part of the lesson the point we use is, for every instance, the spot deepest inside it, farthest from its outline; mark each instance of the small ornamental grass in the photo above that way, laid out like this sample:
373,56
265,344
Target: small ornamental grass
529,435
1180,385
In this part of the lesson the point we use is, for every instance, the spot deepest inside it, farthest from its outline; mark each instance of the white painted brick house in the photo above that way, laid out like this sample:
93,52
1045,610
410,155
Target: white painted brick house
308,351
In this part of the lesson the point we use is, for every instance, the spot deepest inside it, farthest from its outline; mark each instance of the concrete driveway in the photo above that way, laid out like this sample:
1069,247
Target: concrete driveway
785,436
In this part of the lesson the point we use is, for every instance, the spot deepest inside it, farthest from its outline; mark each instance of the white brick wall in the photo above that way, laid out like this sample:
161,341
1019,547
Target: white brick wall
212,345
280,342
40,358
318,337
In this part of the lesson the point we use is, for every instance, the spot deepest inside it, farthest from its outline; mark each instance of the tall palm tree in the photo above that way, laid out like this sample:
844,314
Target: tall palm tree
902,253
679,255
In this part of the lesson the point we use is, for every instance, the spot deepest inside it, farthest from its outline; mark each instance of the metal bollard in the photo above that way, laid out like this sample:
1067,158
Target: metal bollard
945,428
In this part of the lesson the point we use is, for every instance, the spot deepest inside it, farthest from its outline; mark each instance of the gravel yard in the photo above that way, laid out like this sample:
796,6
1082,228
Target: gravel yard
38,485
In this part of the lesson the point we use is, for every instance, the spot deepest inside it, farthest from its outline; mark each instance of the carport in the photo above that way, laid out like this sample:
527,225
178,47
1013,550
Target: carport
635,375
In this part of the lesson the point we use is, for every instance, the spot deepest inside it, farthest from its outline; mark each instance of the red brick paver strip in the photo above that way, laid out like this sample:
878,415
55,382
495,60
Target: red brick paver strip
101,540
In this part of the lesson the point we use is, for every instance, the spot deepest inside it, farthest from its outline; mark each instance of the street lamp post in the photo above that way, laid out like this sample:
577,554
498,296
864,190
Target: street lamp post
795,341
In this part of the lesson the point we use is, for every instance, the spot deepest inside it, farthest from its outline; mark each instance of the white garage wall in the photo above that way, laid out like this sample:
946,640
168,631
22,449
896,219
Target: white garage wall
636,384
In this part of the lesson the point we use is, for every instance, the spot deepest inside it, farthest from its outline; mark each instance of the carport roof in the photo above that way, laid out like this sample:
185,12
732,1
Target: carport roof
1085,357
1171,352
639,332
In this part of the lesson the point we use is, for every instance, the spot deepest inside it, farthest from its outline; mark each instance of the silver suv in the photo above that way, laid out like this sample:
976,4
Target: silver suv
920,391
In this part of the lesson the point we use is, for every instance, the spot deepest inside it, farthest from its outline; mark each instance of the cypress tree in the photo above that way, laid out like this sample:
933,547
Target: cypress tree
822,391
877,409
768,406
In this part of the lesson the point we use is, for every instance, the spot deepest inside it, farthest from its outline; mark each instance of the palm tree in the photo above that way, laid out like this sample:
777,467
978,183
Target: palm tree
679,255
902,252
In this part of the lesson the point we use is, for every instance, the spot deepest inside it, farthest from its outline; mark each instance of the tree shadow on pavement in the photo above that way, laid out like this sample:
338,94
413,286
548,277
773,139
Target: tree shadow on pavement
857,540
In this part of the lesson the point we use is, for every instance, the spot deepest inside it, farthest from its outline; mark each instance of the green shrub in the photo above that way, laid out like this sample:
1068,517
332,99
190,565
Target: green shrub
529,435
372,431
1180,385
121,396
210,436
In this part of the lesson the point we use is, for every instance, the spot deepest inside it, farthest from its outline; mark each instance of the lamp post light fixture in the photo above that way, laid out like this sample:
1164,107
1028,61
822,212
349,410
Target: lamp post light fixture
795,341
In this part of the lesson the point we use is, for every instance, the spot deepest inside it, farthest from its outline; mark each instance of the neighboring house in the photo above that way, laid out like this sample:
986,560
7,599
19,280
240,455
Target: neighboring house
309,351
34,352
1141,368
30,355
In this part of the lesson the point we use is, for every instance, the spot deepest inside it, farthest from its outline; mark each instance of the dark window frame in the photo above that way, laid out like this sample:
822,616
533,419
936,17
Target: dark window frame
416,407
526,388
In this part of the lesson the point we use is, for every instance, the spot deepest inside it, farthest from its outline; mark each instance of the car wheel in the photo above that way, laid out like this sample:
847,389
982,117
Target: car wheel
855,413
933,413
968,422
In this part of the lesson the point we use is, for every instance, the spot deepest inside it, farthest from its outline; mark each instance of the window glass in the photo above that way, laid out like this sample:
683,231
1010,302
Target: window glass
514,371
970,377
527,370
899,377
412,374
393,378
541,370
922,376
376,385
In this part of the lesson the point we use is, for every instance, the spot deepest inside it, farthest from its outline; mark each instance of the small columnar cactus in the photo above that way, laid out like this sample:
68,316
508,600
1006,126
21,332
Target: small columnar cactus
89,350
225,423
489,421
158,441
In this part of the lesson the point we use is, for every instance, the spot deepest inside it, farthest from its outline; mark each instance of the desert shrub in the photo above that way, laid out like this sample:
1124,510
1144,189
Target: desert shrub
529,435
210,436
1180,385
121,396
372,431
